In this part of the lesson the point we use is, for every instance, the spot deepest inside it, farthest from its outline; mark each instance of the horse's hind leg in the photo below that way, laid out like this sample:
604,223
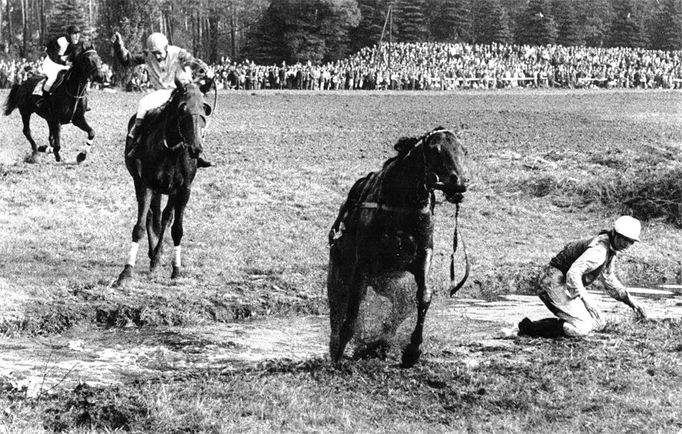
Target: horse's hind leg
181,199
144,197
26,119
81,123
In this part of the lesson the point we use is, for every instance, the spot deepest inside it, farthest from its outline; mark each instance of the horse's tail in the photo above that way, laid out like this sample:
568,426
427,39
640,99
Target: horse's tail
11,102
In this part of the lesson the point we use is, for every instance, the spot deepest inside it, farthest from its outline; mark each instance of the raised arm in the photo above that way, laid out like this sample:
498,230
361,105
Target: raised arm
123,55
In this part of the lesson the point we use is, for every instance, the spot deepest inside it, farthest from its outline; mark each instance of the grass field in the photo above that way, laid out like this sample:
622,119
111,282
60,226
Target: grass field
547,167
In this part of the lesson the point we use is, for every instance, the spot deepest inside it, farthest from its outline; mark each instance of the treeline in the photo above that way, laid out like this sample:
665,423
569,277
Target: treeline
272,31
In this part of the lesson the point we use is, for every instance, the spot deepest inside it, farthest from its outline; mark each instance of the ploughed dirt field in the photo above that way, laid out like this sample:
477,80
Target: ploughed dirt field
239,343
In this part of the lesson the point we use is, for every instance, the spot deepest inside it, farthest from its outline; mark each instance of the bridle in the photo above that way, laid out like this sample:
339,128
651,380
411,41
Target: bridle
82,87
432,182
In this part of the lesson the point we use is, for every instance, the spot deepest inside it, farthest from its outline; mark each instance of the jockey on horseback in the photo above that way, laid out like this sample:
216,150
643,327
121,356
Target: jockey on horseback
59,53
163,63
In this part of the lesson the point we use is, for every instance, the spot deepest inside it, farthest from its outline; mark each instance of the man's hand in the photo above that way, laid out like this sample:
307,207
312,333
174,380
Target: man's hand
116,38
639,310
594,313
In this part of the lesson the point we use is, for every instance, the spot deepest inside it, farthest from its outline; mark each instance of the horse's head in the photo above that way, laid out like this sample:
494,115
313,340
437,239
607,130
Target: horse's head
192,111
444,163
87,64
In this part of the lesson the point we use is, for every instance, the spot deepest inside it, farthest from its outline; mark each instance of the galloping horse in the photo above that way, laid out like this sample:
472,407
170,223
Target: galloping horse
172,136
384,230
66,105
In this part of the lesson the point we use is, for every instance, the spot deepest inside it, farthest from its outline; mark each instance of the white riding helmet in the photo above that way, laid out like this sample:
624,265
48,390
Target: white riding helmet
628,227
157,42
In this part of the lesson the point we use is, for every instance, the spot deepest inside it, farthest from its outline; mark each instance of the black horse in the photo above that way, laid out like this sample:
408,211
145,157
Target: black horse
385,230
67,104
172,138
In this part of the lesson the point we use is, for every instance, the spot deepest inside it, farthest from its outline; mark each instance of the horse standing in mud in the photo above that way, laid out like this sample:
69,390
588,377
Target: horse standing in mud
384,230
172,137
67,104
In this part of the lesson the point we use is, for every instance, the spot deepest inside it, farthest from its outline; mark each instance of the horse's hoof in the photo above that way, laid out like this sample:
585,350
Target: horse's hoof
177,272
125,276
411,356
81,157
57,157
32,159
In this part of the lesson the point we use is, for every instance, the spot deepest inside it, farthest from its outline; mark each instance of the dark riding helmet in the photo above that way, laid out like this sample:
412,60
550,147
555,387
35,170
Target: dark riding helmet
72,30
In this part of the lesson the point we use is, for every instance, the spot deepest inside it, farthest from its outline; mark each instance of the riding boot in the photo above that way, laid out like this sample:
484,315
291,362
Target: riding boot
544,328
201,162
134,137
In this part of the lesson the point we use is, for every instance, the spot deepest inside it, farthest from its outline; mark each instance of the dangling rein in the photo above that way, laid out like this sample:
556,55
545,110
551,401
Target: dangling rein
454,288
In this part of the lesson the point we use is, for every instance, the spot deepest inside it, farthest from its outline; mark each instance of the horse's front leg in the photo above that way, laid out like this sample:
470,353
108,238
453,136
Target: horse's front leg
181,199
411,353
144,198
80,122
26,119
55,139
159,226
355,292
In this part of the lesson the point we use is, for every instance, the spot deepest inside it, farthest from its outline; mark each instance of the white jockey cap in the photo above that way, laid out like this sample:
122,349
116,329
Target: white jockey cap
628,227
157,42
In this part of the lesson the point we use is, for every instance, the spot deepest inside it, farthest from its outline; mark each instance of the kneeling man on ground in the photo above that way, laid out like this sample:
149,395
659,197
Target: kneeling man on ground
576,266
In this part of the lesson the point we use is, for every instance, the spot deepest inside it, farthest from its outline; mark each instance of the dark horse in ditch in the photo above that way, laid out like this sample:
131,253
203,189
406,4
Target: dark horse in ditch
172,137
384,230
67,104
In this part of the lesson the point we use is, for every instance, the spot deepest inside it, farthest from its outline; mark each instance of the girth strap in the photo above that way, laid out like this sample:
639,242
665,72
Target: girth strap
383,207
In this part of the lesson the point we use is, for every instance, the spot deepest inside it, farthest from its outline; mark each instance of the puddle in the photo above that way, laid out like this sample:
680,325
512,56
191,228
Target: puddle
42,365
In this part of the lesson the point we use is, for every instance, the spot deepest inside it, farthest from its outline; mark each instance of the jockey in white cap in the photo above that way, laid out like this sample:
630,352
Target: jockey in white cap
164,63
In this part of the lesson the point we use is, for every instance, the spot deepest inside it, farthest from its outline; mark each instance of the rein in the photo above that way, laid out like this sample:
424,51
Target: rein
454,288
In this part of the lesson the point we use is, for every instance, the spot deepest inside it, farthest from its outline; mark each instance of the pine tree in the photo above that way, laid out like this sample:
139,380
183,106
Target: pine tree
490,23
373,17
411,21
666,31
536,25
626,30
567,23
452,22
66,13
594,17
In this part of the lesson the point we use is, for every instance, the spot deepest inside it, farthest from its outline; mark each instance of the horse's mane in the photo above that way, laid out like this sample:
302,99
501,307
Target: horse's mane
404,145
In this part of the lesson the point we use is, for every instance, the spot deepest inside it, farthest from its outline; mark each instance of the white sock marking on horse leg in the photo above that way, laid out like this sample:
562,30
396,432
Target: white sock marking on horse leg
88,146
132,256
176,260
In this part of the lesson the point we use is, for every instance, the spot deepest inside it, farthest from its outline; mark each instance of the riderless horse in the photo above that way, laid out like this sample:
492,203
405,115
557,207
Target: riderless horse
172,137
67,104
384,230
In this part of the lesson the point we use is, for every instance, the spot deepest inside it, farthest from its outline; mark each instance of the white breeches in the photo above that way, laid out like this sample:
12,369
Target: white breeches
51,70
152,100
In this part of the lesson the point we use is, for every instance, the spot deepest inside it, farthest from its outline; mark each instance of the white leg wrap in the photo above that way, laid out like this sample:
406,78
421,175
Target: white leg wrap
176,259
132,256
87,147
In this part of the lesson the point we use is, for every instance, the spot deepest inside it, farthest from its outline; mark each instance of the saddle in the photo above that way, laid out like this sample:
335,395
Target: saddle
42,79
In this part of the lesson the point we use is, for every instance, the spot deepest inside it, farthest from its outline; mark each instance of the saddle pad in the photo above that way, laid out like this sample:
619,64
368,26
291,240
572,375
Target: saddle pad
38,90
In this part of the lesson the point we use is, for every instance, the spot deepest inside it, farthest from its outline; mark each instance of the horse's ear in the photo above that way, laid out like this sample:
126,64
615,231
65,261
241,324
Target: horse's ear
179,84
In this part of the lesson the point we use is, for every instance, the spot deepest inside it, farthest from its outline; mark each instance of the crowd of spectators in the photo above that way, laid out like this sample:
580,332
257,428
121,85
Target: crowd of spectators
443,66
440,66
